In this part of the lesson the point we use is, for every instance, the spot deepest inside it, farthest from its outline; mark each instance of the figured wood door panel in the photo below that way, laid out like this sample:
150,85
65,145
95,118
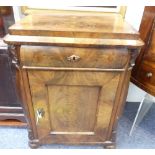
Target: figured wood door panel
73,108
77,105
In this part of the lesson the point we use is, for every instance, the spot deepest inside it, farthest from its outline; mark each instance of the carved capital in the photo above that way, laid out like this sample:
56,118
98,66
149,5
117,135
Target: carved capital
13,56
134,53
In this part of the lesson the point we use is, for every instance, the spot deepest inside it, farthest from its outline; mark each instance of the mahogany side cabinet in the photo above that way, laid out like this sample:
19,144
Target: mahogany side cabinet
73,74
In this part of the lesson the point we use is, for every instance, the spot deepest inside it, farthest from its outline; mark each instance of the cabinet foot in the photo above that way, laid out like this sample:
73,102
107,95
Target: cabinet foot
110,146
34,144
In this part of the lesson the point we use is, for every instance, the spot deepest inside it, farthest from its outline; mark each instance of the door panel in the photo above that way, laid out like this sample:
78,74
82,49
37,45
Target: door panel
77,106
69,104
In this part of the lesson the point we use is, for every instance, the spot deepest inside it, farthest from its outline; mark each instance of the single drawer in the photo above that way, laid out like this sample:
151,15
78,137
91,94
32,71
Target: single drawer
72,57
146,75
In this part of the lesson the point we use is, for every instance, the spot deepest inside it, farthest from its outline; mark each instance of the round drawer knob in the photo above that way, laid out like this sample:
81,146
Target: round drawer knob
73,58
149,74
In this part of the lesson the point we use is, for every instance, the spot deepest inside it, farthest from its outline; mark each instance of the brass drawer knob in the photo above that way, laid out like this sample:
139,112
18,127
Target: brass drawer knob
73,58
149,74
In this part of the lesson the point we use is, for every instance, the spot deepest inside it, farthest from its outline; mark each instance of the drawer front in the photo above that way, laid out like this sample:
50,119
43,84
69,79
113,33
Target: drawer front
53,56
146,75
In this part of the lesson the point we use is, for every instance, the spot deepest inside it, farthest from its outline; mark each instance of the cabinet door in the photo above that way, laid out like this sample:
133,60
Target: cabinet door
73,106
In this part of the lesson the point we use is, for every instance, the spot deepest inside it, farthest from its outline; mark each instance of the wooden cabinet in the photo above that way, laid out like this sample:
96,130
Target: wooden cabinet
73,75
143,74
73,106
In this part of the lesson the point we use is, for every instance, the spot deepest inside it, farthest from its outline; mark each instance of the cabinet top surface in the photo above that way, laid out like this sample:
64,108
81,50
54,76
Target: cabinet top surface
80,25
82,29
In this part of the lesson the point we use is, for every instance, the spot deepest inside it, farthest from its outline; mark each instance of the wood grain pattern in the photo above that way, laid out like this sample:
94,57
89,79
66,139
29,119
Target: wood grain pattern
53,56
75,42
44,86
74,30
65,104
80,25
74,72
120,101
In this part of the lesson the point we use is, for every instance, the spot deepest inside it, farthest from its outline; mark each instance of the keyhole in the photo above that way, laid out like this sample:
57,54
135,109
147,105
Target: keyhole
74,58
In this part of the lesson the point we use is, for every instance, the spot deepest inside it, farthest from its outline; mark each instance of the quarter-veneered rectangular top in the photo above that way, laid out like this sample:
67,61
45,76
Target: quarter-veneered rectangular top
106,25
